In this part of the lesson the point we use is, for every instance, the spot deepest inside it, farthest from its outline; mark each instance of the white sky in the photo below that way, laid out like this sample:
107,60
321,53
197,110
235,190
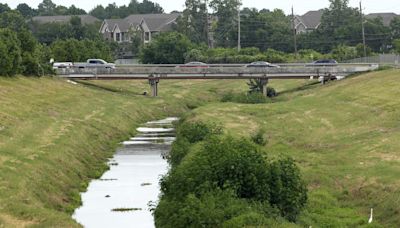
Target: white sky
300,7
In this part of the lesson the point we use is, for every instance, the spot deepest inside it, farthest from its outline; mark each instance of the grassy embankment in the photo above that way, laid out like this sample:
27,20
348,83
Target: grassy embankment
56,136
345,137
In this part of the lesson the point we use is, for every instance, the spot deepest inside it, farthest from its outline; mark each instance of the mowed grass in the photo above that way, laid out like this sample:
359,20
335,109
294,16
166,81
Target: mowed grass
55,136
345,136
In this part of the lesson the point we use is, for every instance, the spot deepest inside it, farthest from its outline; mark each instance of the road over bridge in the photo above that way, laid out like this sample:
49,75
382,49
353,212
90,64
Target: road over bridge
155,73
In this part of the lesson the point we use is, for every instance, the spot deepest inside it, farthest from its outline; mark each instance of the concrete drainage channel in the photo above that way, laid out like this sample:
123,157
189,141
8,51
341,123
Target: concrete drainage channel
121,197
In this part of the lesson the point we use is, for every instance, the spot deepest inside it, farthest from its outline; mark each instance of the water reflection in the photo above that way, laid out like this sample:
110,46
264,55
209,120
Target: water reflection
121,196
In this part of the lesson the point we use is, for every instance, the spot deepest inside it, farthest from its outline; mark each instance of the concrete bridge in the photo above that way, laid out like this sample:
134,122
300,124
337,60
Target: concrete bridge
155,73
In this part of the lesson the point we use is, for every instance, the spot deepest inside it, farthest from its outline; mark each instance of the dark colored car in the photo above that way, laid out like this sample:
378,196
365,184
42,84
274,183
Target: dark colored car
324,62
195,65
262,64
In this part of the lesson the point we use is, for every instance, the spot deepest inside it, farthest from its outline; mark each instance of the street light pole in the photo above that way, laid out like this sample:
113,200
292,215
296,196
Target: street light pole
363,32
294,34
239,46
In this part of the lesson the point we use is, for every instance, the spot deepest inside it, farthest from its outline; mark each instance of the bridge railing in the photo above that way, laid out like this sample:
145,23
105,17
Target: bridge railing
244,65
147,70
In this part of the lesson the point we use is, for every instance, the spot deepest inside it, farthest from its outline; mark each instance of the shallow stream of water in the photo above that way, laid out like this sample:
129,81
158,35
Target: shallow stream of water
121,197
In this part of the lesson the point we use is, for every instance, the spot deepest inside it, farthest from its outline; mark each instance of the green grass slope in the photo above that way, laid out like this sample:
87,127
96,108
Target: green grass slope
346,138
55,136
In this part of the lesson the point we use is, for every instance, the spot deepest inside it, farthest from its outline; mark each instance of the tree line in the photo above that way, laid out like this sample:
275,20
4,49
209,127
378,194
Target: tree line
268,35
49,8
264,29
27,46
23,53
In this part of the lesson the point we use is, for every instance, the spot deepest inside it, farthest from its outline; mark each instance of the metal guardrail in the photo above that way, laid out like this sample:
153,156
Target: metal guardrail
176,70
244,65
154,73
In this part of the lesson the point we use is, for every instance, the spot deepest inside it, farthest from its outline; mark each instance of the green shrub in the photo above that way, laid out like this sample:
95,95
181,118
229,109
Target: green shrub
228,97
221,162
179,150
10,52
214,178
252,98
212,209
258,137
271,92
168,47
249,98
287,190
197,131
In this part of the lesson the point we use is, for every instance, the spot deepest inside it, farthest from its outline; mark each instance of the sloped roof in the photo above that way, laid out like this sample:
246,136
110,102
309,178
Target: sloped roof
387,17
155,22
85,19
312,19
123,25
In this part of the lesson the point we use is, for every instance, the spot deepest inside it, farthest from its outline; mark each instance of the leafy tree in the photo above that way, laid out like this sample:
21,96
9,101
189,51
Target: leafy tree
134,7
77,28
169,47
47,8
395,27
4,8
12,20
136,41
226,28
193,22
149,7
340,24
26,11
73,10
377,34
396,44
73,50
60,10
360,50
112,11
343,52
266,29
10,52
99,12
50,32
195,55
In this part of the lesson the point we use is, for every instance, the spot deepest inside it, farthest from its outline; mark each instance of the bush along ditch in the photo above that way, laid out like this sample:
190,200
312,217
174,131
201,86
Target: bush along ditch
217,180
253,96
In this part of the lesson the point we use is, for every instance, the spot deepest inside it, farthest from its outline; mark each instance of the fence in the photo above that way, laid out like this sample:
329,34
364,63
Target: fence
385,59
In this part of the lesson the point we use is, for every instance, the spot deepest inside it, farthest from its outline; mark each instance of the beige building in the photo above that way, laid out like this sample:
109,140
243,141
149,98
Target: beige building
148,25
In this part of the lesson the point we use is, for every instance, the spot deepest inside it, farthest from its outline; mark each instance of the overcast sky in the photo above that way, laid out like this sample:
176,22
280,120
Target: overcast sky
300,7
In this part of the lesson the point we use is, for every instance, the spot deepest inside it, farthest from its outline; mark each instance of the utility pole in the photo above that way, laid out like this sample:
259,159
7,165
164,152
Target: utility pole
208,26
363,32
294,34
239,46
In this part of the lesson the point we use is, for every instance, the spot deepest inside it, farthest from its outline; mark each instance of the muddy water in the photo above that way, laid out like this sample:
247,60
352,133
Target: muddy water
121,197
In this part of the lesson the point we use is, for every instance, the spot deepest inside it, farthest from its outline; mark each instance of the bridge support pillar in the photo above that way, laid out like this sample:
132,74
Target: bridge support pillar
154,86
264,83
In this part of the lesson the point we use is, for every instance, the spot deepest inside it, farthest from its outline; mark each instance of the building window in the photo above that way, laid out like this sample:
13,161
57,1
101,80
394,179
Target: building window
146,36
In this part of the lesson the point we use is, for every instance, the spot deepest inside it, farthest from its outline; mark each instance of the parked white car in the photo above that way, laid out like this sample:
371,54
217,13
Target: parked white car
59,65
